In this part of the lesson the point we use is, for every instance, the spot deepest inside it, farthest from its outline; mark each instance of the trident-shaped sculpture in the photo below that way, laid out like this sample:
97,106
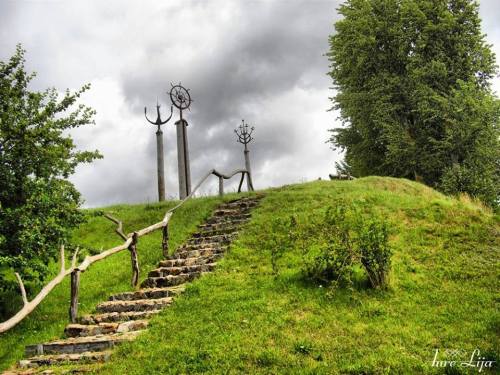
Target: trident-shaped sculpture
245,137
159,149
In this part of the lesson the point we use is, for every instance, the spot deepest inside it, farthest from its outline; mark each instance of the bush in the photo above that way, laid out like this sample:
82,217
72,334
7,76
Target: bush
278,239
375,253
349,238
333,259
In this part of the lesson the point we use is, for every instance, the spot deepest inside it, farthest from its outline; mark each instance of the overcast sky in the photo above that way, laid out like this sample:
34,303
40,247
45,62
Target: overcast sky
262,61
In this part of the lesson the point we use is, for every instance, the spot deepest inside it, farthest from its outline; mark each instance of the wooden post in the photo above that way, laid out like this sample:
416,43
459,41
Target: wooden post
247,167
183,159
160,165
159,149
164,242
135,261
221,186
245,137
75,286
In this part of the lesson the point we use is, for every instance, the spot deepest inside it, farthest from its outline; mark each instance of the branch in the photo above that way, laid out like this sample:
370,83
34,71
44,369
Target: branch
30,306
23,291
63,260
73,261
119,229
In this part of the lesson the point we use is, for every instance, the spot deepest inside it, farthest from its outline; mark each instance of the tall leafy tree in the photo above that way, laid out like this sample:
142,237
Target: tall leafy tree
38,205
412,80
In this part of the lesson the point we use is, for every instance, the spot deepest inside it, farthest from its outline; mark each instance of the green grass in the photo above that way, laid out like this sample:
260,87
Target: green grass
443,294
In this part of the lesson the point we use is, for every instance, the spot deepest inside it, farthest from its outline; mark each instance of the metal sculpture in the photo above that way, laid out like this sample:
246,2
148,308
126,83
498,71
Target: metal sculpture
159,149
245,137
181,99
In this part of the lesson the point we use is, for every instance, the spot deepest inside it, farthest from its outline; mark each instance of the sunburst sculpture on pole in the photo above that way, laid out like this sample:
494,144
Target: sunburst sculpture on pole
181,99
245,137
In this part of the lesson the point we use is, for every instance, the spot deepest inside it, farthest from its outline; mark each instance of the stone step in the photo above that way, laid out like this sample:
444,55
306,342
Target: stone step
170,280
134,305
81,344
228,219
179,262
196,253
60,359
75,330
229,229
220,238
117,317
165,271
221,225
240,205
152,293
229,213
201,246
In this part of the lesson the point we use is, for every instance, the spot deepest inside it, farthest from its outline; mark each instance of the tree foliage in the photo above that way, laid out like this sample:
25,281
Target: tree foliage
413,90
38,205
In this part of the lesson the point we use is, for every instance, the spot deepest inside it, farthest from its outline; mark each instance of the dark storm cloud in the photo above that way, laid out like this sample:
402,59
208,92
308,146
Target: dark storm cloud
258,60
264,50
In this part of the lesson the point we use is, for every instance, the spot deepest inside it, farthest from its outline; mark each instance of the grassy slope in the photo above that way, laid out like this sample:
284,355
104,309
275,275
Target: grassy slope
241,320
103,278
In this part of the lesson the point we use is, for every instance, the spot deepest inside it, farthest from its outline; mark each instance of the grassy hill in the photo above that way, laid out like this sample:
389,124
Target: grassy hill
443,291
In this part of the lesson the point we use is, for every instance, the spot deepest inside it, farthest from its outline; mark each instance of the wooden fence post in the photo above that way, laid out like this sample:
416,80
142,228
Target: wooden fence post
164,242
75,286
221,186
135,261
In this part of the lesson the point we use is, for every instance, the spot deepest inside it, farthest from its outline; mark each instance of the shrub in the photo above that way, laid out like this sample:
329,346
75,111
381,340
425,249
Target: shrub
374,251
347,238
278,239
334,257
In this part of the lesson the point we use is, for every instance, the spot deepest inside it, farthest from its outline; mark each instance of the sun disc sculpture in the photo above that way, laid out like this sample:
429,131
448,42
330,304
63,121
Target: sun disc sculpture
181,99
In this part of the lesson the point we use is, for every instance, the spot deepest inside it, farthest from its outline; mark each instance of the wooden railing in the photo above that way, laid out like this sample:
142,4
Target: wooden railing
130,243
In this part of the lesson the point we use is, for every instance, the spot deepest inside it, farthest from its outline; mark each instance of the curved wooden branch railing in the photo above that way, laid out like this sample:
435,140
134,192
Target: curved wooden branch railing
130,243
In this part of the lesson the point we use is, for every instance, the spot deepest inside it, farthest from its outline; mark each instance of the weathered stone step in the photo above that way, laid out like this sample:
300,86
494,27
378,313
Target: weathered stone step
218,225
228,229
81,344
135,305
229,213
59,359
220,238
152,293
75,330
165,271
241,205
201,246
223,220
117,317
179,262
196,253
170,280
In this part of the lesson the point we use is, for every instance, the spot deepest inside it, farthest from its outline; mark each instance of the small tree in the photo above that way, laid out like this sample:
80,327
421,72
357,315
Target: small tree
38,205
413,89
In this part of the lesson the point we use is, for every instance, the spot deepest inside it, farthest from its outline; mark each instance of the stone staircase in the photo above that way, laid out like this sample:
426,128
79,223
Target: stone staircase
125,315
